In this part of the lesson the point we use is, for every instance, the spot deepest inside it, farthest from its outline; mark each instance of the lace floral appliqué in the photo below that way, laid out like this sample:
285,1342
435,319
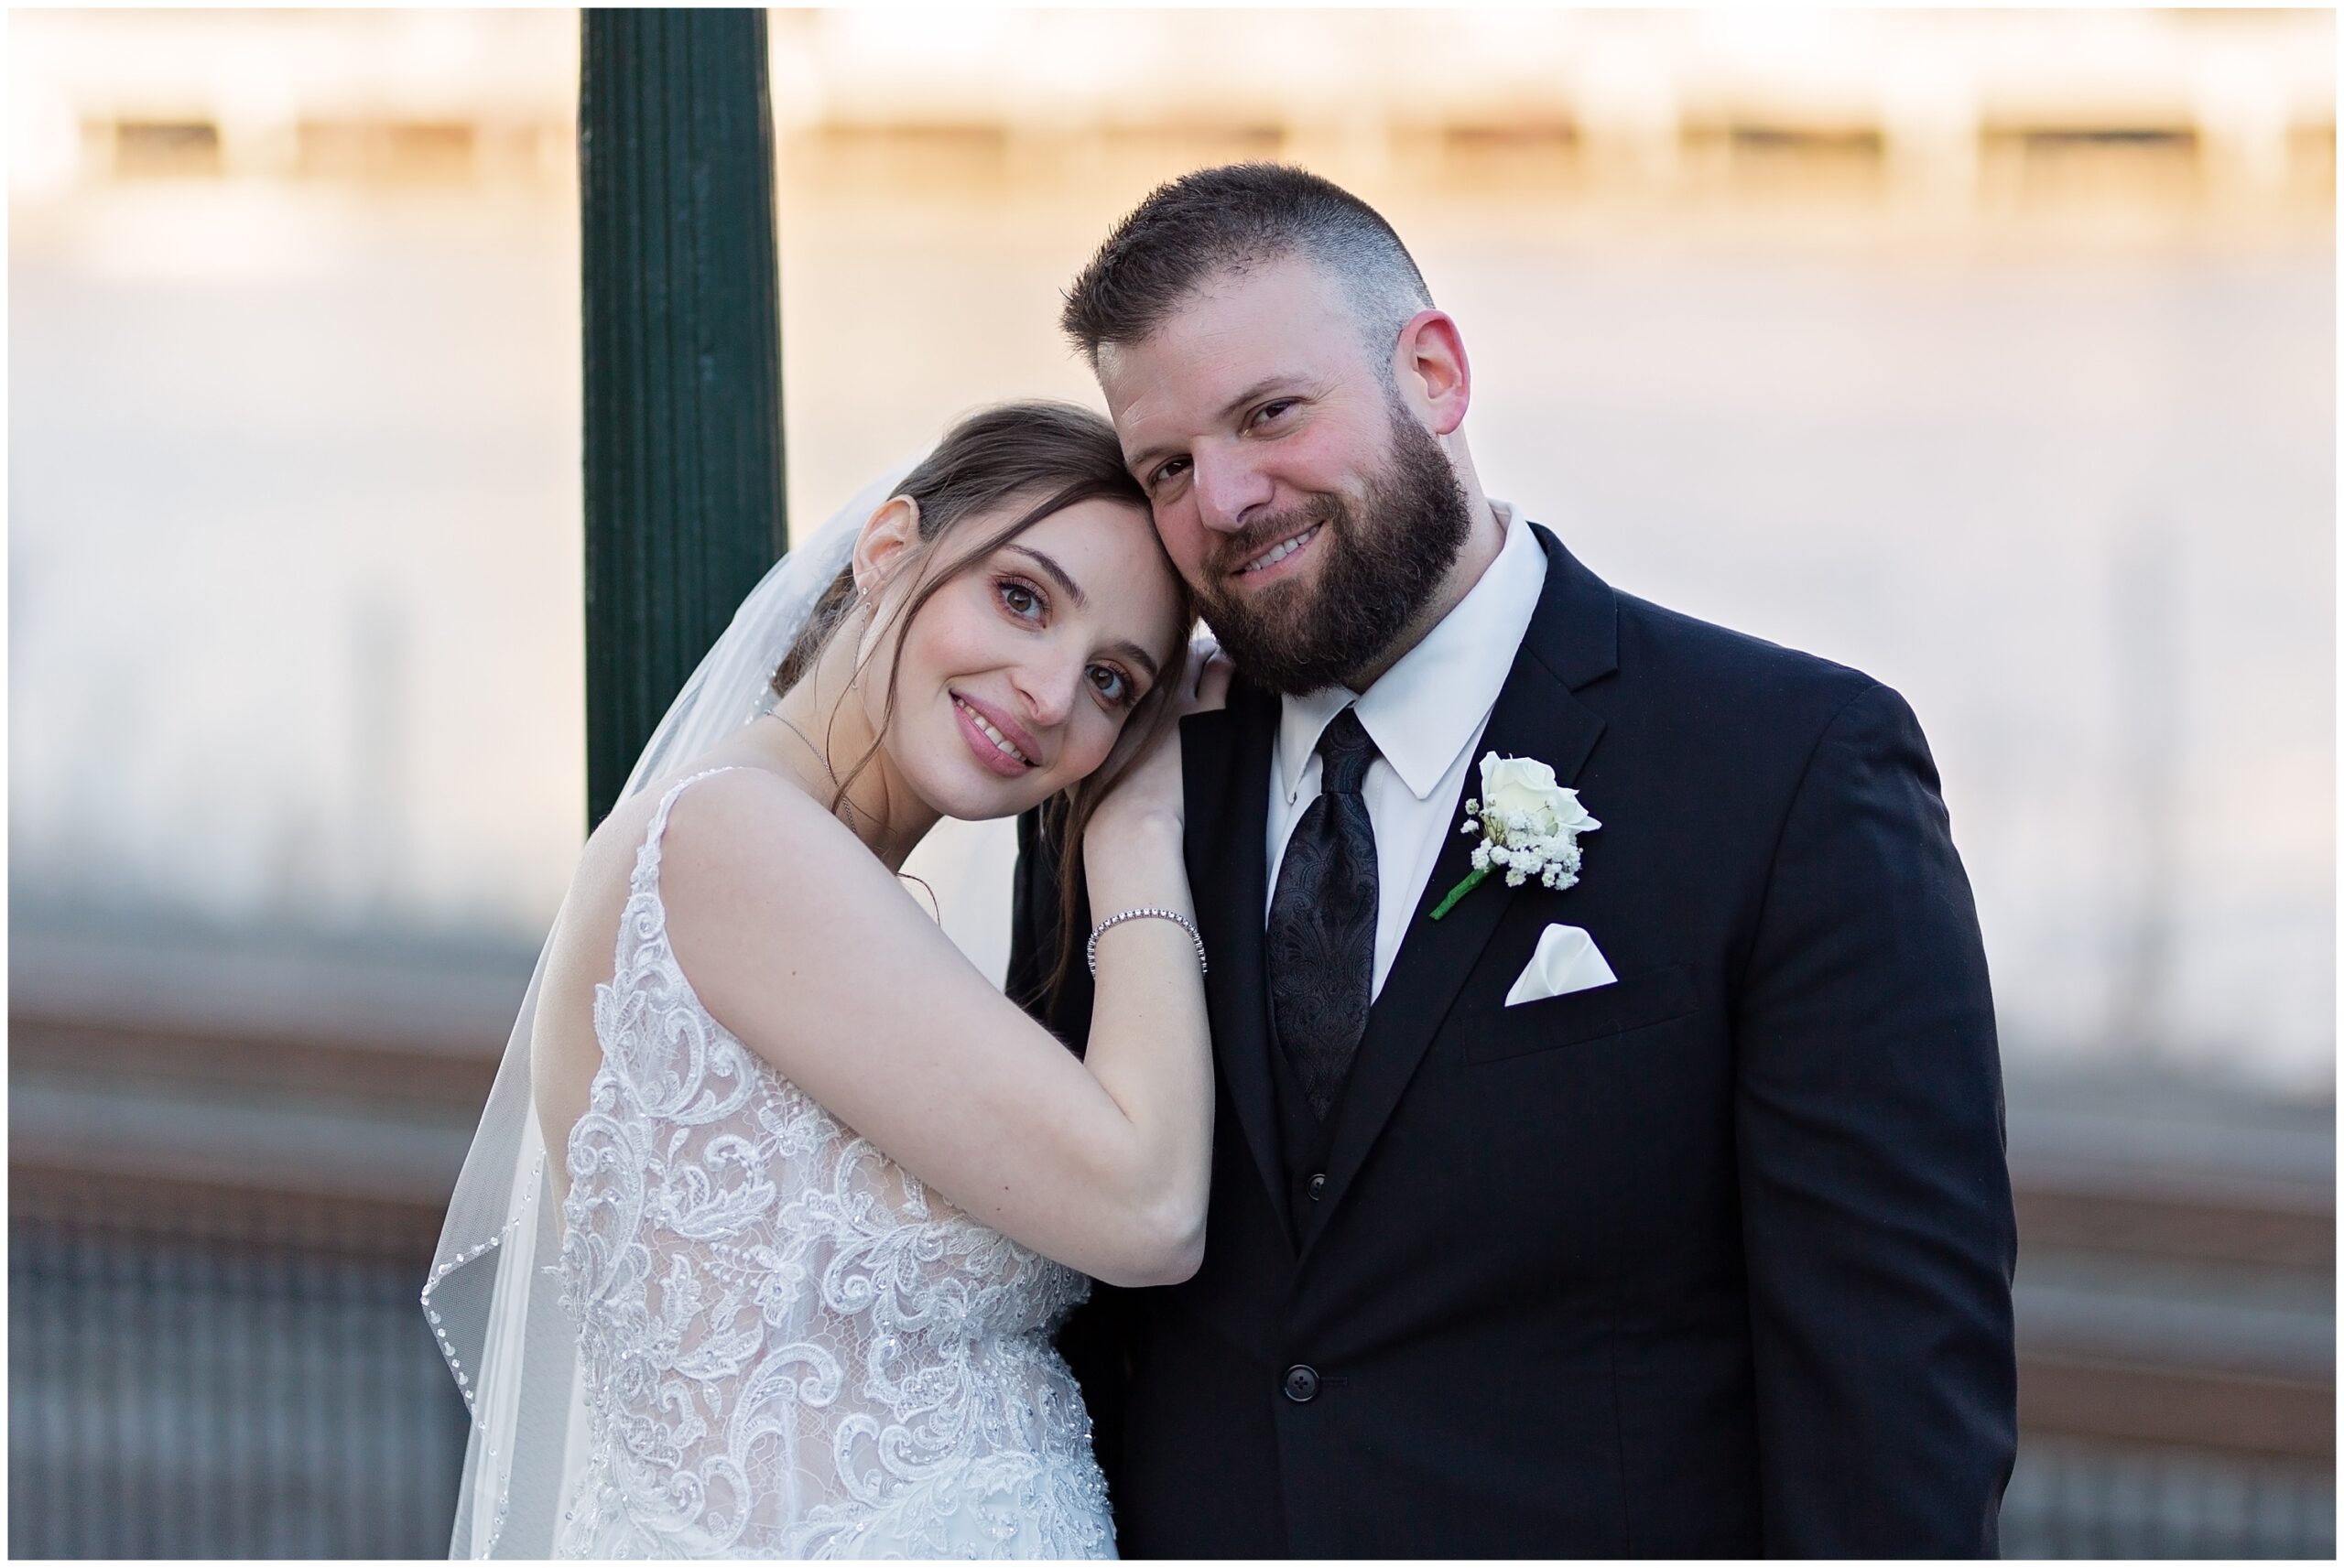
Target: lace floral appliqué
790,1347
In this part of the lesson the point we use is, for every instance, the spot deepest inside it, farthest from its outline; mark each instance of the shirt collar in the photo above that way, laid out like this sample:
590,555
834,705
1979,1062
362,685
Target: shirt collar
1430,705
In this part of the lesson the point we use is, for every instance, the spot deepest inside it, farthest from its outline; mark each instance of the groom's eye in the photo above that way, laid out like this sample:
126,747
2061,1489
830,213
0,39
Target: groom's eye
1172,468
1271,410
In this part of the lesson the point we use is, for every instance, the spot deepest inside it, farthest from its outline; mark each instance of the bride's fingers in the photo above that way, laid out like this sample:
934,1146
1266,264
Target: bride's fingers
1204,648
1212,681
1192,673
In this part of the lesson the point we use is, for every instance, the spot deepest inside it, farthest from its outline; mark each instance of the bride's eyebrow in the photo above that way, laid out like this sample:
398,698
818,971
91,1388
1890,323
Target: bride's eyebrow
1138,655
1055,572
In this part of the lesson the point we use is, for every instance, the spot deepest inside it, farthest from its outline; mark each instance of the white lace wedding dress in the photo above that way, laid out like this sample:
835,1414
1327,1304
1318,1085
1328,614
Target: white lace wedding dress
789,1347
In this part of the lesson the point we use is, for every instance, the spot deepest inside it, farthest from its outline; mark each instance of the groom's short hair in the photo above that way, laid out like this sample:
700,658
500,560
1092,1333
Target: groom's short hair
1192,229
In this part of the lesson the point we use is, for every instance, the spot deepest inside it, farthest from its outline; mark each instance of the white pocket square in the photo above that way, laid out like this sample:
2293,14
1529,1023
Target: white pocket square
1567,960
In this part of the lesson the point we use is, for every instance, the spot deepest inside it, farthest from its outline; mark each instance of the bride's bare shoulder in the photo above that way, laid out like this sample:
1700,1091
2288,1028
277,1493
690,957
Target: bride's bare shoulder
747,812
753,843
738,811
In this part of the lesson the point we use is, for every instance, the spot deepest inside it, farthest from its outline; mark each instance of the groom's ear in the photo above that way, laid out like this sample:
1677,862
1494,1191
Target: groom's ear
1435,378
881,548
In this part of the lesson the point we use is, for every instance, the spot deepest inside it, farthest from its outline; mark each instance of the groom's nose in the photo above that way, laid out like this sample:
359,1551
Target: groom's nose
1228,489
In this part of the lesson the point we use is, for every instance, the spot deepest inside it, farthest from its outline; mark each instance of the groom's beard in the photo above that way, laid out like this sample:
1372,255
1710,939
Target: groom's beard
1382,563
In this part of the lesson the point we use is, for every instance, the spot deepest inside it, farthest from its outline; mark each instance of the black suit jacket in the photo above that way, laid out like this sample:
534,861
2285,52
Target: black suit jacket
1714,1261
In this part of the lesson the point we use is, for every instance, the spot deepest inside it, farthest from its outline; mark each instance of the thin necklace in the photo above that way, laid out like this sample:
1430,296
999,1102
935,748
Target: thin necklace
820,754
935,907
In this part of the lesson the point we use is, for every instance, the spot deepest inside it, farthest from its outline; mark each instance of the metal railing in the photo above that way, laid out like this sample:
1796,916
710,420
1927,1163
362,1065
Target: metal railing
233,1376
220,1217
236,1376
2070,1498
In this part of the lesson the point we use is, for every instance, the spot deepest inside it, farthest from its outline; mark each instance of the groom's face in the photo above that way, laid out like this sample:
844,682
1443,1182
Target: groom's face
1307,509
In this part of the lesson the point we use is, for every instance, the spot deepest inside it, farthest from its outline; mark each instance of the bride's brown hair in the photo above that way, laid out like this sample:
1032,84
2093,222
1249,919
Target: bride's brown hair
1053,455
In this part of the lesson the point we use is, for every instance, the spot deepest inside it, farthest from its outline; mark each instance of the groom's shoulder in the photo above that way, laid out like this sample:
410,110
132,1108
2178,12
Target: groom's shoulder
1665,650
1667,661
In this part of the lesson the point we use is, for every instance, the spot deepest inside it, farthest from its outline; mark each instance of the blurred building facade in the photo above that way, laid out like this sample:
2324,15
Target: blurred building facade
1992,351
1946,103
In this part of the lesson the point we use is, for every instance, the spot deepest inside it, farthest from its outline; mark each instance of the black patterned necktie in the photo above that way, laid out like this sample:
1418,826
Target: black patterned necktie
1322,920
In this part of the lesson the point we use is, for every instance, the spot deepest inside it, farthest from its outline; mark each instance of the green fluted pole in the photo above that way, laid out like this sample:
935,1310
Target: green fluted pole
684,498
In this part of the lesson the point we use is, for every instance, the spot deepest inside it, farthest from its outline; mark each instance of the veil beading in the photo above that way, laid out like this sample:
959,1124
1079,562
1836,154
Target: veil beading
493,1296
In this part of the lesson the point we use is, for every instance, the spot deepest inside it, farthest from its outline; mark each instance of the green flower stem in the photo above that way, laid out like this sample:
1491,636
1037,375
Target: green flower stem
1472,880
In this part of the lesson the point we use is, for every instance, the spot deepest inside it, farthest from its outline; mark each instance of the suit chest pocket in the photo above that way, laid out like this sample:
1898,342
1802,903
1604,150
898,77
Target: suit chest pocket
1638,1002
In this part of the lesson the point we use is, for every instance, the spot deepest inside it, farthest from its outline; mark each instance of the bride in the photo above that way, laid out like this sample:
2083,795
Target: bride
820,1193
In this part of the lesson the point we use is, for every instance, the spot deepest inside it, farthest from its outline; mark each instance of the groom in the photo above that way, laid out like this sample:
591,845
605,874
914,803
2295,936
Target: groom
1663,1214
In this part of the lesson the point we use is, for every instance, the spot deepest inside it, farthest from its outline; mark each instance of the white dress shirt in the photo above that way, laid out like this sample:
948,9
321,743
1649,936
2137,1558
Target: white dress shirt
1425,716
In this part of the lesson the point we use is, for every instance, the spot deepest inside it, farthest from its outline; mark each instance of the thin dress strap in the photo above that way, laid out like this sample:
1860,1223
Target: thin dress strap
646,859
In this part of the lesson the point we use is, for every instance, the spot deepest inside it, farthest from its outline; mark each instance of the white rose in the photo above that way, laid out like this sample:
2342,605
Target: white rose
1524,785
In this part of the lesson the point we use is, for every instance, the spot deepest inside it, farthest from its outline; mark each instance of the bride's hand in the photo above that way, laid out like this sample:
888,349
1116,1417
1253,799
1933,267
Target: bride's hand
1149,791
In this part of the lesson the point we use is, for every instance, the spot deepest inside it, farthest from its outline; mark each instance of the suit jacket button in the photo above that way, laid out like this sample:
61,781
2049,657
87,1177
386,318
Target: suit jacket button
1317,1185
1301,1384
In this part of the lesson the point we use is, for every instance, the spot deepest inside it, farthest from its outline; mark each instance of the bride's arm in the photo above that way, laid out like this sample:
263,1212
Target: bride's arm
804,945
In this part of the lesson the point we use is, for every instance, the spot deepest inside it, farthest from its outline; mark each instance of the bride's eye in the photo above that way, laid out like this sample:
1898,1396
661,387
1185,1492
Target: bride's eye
1112,684
1021,600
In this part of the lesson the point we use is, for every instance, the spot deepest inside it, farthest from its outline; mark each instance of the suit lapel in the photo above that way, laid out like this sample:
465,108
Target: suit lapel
1225,761
1571,641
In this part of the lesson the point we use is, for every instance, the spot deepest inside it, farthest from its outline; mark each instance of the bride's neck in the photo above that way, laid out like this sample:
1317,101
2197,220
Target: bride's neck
824,732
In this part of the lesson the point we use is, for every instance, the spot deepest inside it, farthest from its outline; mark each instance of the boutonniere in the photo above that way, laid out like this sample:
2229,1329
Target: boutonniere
1529,827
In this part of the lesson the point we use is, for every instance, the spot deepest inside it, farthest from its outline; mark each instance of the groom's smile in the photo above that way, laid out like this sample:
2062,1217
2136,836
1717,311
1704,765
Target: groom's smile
1265,566
1280,557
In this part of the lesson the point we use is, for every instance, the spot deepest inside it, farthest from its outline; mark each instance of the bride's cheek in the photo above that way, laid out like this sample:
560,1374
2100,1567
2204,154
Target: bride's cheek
1099,745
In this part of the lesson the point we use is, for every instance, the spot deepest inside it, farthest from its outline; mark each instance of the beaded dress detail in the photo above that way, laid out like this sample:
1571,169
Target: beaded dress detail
790,1347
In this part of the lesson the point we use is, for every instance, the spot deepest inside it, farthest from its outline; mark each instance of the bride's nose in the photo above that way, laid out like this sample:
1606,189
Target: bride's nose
1047,687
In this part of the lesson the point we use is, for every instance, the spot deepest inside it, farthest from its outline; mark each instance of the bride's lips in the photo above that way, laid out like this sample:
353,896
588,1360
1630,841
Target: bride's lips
968,710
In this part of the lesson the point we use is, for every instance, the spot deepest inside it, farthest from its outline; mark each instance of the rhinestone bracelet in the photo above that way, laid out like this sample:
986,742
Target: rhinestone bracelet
1091,948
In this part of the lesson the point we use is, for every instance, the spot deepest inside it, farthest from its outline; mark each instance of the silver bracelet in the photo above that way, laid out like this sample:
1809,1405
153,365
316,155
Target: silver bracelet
1091,948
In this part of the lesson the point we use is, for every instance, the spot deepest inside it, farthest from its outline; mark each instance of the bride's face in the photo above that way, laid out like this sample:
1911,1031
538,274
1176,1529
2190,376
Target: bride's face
1017,674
